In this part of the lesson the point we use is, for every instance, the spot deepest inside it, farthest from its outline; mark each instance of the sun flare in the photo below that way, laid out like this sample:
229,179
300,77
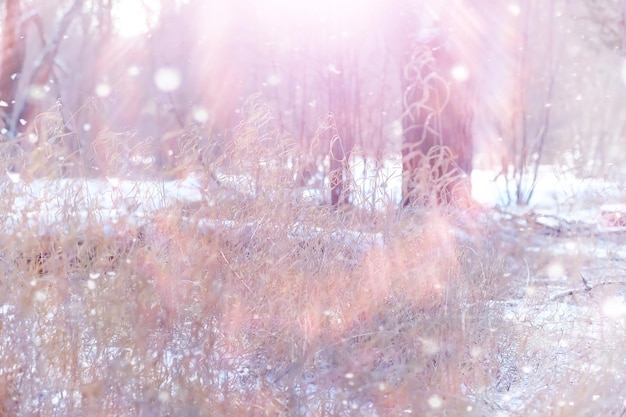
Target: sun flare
134,17
339,19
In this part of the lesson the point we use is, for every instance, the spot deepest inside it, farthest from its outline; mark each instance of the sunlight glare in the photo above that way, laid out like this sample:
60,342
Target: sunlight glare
320,10
337,19
134,17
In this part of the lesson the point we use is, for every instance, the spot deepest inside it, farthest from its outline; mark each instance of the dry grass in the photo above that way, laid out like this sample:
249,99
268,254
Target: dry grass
255,301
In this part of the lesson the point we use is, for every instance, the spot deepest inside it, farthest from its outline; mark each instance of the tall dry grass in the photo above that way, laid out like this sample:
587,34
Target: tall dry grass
254,300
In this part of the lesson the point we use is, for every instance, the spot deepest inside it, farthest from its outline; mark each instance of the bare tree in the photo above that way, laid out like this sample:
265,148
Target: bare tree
22,84
530,124
44,65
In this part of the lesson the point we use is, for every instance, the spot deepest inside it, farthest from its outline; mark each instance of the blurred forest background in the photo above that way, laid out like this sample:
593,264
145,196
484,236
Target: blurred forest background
106,81
166,245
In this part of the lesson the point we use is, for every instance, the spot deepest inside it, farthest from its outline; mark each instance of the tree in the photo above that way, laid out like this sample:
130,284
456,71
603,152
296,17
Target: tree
44,65
13,47
527,127
324,72
437,108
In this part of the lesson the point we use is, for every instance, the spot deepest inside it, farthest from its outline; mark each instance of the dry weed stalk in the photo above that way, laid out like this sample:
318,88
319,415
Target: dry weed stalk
251,302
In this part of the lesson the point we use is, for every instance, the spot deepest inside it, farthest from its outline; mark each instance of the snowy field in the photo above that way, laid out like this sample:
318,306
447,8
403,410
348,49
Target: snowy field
557,197
565,307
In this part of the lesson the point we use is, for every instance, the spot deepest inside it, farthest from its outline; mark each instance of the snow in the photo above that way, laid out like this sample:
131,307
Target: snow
46,203
546,310
559,199
555,193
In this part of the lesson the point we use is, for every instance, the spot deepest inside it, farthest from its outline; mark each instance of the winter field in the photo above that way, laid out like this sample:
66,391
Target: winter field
235,291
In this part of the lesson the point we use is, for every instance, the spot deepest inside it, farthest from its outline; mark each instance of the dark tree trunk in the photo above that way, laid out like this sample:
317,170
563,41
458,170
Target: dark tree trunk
437,105
437,126
337,172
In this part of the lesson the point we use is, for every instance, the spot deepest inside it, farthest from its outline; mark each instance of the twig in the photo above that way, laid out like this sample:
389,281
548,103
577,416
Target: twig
527,272
237,274
586,288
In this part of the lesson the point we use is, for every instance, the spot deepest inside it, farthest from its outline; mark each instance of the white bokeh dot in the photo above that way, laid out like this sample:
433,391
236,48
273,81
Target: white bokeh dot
167,79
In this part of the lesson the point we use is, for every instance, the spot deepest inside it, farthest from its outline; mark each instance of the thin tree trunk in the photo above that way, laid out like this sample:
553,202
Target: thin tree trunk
341,140
12,51
624,27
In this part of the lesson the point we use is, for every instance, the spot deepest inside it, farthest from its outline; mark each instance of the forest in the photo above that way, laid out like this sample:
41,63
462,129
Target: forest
316,208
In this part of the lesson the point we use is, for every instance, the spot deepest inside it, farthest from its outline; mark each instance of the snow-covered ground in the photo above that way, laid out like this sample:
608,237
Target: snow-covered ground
44,203
556,195
564,327
376,186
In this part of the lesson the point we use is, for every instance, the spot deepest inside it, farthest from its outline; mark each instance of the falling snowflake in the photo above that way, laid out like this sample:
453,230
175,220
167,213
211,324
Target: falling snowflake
103,90
167,79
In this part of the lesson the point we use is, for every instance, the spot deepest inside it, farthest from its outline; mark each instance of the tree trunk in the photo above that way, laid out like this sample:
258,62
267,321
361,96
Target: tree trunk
341,140
624,27
437,105
437,121
12,51
45,64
